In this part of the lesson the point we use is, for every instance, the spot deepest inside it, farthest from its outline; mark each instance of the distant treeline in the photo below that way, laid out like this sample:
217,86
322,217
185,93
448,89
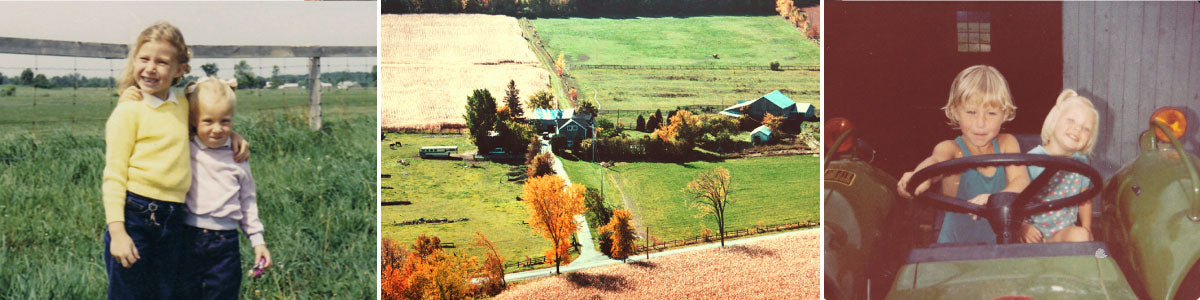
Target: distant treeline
28,78
568,8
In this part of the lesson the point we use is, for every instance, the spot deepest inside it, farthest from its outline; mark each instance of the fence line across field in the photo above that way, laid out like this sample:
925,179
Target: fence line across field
647,248
41,47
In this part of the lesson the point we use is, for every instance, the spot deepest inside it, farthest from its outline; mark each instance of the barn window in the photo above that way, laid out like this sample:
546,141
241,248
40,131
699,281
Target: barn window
974,31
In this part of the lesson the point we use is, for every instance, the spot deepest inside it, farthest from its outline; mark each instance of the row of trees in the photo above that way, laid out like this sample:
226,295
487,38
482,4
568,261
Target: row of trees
672,140
428,272
29,78
503,127
793,12
562,8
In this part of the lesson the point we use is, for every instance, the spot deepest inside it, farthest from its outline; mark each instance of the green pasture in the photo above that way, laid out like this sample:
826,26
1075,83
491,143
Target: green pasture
738,41
766,190
452,189
316,194
647,90
84,110
655,46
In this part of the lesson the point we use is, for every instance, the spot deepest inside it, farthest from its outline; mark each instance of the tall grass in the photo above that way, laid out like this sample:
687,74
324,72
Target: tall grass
316,198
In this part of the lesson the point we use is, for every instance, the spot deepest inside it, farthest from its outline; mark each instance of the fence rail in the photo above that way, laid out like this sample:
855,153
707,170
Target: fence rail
659,246
43,47
693,67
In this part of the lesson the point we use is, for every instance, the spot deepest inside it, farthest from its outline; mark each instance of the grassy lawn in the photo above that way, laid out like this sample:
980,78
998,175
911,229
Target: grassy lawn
316,194
447,189
85,110
739,40
768,190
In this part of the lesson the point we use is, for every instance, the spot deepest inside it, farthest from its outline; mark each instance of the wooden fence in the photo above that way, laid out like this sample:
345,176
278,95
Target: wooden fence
663,245
119,51
659,246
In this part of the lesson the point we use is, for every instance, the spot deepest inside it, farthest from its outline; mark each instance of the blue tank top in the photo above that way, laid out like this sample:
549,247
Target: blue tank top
958,227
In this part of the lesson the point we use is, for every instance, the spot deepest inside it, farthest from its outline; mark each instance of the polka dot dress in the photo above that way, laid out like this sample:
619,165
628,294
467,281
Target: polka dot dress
1062,185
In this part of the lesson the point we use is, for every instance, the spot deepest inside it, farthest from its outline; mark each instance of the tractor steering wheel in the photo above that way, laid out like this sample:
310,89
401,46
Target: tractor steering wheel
1005,211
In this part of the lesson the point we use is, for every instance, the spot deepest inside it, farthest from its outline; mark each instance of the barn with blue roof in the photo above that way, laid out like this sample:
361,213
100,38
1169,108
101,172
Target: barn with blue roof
774,103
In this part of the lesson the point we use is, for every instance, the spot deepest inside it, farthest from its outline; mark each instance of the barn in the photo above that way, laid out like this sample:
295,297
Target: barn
774,103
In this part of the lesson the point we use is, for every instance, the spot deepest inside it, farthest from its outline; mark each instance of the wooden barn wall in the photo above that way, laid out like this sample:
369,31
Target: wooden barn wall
889,65
1131,58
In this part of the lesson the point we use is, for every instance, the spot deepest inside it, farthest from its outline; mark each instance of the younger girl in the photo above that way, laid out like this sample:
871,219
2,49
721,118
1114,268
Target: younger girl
979,104
147,170
1068,131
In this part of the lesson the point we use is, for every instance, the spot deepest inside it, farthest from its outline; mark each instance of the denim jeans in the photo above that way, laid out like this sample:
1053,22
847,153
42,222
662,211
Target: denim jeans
154,226
212,264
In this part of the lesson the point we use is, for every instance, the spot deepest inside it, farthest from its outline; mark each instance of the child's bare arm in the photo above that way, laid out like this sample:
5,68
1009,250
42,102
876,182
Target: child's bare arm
1017,175
942,152
1085,214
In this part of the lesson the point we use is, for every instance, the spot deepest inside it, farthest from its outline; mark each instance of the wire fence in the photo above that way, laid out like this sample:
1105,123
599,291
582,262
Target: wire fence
48,86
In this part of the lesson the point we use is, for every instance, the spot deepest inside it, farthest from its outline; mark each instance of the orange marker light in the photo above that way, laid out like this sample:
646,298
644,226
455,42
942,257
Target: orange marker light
837,126
1174,120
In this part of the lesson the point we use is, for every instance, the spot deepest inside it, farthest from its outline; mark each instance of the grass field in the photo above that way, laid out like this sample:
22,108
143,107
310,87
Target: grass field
447,189
84,110
738,40
664,42
770,190
316,199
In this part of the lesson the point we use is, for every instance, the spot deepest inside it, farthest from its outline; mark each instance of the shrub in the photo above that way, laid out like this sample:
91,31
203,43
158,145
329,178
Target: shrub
8,91
775,66
543,164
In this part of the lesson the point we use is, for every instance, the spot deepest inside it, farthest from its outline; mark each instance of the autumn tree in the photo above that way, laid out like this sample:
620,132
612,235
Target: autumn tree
492,268
481,118
772,122
621,232
587,107
542,165
425,273
512,100
683,132
710,194
542,99
560,64
552,210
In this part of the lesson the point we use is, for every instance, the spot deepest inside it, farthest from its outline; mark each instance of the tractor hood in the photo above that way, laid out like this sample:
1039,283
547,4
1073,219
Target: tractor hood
1037,271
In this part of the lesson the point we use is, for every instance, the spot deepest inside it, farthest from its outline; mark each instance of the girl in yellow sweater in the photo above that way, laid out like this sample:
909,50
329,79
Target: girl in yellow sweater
147,170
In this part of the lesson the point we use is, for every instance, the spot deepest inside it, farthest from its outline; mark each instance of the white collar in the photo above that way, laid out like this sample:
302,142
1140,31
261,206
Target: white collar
155,102
228,143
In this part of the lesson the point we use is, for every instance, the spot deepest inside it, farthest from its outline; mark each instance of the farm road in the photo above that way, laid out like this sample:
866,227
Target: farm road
580,265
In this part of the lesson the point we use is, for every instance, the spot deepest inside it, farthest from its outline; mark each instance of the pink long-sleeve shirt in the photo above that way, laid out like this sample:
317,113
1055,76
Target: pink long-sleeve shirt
222,195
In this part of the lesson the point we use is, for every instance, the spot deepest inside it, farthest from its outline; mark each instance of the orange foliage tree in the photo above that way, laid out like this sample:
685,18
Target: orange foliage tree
552,210
772,122
492,269
683,131
622,234
425,273
710,191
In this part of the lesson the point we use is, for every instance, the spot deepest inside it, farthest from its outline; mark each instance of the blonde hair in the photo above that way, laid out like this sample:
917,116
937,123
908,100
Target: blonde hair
214,90
979,84
1066,98
162,32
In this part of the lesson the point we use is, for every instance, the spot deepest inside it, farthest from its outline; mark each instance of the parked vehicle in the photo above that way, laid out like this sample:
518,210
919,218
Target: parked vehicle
438,151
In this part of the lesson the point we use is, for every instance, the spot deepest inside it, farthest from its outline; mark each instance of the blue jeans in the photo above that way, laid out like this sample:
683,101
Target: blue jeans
154,226
212,267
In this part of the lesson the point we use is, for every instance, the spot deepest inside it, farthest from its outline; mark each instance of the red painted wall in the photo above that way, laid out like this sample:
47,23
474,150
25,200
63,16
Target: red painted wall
889,65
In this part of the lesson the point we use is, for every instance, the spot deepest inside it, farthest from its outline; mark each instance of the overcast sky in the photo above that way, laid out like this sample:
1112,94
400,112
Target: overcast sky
290,23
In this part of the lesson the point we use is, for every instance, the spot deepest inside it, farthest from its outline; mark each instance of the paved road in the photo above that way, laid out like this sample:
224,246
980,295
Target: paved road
581,265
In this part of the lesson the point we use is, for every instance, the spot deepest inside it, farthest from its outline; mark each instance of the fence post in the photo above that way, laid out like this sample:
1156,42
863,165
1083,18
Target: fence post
647,242
314,93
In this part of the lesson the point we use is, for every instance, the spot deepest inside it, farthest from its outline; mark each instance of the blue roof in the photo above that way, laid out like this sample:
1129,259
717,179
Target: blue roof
779,99
762,129
550,114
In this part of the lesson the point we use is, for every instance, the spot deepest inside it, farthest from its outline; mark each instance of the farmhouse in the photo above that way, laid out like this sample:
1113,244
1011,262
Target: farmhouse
292,85
563,122
774,103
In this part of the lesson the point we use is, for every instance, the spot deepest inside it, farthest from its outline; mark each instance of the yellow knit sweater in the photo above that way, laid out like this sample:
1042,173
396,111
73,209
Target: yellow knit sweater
146,153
